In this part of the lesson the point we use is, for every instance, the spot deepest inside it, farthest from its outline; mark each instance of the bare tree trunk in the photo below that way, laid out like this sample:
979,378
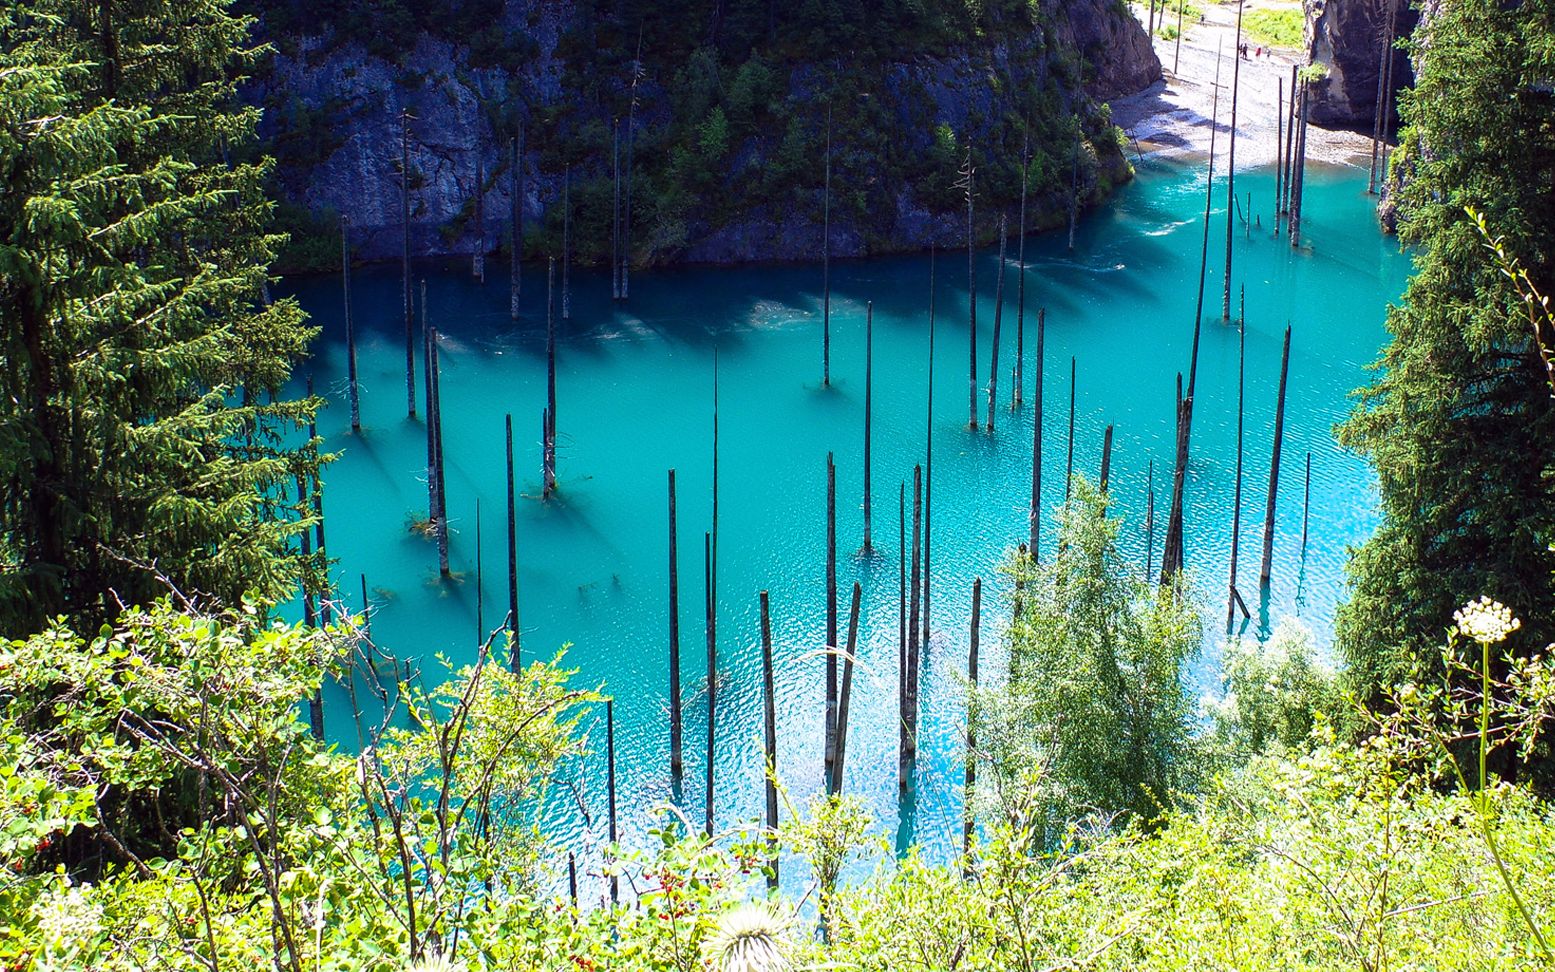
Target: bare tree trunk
998,317
928,474
548,485
513,626
566,244
676,764
1018,378
826,263
410,341
615,209
516,250
830,744
1035,513
610,789
769,741
967,826
869,389
345,288
1232,595
971,284
1236,77
1274,467
712,682
846,693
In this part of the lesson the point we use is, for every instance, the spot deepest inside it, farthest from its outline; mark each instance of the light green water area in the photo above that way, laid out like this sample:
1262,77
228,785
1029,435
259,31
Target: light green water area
635,399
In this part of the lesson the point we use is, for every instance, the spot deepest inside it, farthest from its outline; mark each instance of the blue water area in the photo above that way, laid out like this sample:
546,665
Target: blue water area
635,399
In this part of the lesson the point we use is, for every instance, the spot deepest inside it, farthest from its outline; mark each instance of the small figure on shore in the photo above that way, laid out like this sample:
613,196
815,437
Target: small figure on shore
1258,51
1242,51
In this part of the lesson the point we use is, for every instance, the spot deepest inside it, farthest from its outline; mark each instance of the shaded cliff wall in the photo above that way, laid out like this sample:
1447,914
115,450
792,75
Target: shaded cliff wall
1348,38
727,159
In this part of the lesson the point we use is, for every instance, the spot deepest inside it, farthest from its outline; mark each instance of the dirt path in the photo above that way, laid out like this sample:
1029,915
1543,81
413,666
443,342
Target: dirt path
1172,116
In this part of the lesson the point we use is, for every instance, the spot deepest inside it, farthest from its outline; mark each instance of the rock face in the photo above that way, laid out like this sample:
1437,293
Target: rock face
1347,37
333,117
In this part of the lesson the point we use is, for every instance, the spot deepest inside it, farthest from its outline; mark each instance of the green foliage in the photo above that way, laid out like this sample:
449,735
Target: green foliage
1274,27
1460,423
144,439
1272,691
1093,717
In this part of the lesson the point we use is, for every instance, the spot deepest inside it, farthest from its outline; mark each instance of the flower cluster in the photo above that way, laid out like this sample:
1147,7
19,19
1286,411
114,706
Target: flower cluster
748,939
1485,621
67,914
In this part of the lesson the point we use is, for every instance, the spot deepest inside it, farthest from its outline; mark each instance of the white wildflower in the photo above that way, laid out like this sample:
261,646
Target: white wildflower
1486,621
748,939
68,915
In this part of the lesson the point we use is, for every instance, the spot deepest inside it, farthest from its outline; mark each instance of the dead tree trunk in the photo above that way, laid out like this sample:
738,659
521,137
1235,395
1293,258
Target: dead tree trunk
513,625
1172,555
676,764
913,602
869,391
928,473
615,209
769,741
998,316
846,693
1069,463
516,201
712,680
971,722
1209,184
410,340
1106,457
1274,467
345,288
1035,513
1236,77
548,483
610,789
1301,166
971,284
1019,376
1232,594
830,738
901,651
826,263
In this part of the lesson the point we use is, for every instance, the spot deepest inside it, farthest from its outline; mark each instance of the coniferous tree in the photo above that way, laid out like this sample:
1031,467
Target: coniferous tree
145,438
1461,424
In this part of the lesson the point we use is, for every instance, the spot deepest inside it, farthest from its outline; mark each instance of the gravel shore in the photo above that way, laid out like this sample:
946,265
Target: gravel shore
1172,116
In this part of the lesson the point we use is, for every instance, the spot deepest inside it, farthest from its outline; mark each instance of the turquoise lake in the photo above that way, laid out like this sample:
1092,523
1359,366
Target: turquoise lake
635,398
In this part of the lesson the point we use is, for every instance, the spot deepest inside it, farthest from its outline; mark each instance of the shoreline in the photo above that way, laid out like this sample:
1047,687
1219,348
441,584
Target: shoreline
1172,117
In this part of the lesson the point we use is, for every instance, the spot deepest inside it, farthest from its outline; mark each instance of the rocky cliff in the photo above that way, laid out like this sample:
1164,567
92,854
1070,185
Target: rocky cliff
726,151
1350,39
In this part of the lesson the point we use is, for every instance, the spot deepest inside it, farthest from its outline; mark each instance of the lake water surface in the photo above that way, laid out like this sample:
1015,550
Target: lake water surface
635,398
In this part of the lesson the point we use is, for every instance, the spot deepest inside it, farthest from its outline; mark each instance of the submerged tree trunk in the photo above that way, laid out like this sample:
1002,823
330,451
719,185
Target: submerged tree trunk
1236,77
971,285
345,288
410,340
1274,467
998,317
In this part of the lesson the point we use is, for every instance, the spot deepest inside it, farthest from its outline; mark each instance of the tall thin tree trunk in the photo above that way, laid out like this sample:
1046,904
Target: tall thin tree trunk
928,473
1236,501
548,485
345,288
1209,183
1018,378
971,284
971,722
516,249
1274,467
566,244
769,741
1236,77
712,682
676,763
845,694
410,341
998,317
1035,513
869,390
826,263
1069,463
615,209
514,655
913,602
830,738
610,790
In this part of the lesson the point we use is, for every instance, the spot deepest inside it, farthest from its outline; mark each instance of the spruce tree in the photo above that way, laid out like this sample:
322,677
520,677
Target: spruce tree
1461,425
145,437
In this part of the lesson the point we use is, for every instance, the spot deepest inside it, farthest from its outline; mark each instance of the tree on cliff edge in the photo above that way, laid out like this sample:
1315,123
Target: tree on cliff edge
142,426
1461,425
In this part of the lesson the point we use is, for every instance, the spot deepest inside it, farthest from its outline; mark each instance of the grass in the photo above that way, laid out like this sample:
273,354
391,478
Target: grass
1274,28
1166,26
